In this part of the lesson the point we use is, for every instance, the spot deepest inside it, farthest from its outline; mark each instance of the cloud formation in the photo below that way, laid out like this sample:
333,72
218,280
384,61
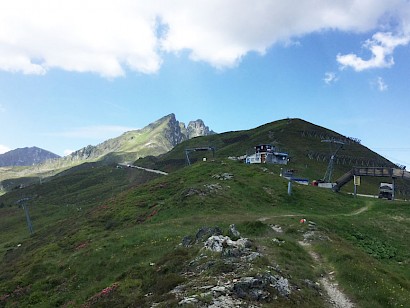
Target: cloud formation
381,85
108,37
381,46
330,77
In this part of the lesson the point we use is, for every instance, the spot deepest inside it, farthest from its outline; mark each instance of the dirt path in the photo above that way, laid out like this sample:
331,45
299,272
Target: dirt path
359,211
337,298
328,282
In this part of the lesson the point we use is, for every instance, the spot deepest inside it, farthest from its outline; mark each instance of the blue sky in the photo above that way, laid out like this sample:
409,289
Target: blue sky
80,72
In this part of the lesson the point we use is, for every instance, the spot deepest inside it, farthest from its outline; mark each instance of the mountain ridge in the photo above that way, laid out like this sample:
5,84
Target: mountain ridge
26,156
156,138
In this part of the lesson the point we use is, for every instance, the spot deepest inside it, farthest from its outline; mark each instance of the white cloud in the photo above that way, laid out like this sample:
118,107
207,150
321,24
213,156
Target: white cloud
107,37
100,132
330,77
381,85
4,149
381,46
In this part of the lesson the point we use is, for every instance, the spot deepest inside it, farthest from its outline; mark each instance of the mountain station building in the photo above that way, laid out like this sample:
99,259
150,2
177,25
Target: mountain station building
266,153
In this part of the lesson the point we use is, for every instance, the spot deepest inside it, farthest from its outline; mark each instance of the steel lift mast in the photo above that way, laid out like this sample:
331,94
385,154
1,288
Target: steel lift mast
329,171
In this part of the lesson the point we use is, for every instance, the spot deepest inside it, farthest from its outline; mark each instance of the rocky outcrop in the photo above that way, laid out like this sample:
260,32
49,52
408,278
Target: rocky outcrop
156,138
198,128
175,132
25,157
226,273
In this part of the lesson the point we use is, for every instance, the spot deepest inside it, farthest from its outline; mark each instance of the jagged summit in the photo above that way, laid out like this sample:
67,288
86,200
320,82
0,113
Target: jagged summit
156,138
27,156
198,128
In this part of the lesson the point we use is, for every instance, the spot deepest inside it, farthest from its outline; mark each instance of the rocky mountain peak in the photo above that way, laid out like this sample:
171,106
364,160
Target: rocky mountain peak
25,157
198,128
176,132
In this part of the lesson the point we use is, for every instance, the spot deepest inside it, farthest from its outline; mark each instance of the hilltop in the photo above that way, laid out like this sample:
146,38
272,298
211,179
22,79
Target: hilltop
26,157
302,140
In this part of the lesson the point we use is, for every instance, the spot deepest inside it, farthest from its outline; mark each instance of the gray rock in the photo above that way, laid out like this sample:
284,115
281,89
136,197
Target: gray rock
282,286
233,232
198,128
252,288
218,243
220,290
258,288
252,256
225,301
187,241
232,252
205,232
188,301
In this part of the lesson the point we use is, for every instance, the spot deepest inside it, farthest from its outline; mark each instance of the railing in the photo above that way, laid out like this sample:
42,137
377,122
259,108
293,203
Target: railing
370,171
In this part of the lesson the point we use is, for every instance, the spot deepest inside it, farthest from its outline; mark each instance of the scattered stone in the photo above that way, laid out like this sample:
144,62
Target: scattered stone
223,176
226,287
205,287
191,191
188,301
178,289
233,232
213,187
278,241
220,290
252,256
276,228
227,302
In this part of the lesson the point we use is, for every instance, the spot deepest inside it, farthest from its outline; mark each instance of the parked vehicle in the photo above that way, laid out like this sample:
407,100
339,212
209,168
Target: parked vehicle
386,191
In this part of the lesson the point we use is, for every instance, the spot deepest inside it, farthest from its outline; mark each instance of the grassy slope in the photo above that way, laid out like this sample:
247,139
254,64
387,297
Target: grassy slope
75,255
297,137
129,146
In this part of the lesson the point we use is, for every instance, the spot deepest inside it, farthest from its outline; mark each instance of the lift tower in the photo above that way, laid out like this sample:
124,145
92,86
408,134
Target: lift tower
333,149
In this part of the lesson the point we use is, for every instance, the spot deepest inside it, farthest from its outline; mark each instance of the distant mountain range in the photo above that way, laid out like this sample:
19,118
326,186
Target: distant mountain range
161,145
26,157
156,138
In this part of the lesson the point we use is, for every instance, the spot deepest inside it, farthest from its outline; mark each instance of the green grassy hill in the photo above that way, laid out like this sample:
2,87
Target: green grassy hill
156,138
108,237
309,156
